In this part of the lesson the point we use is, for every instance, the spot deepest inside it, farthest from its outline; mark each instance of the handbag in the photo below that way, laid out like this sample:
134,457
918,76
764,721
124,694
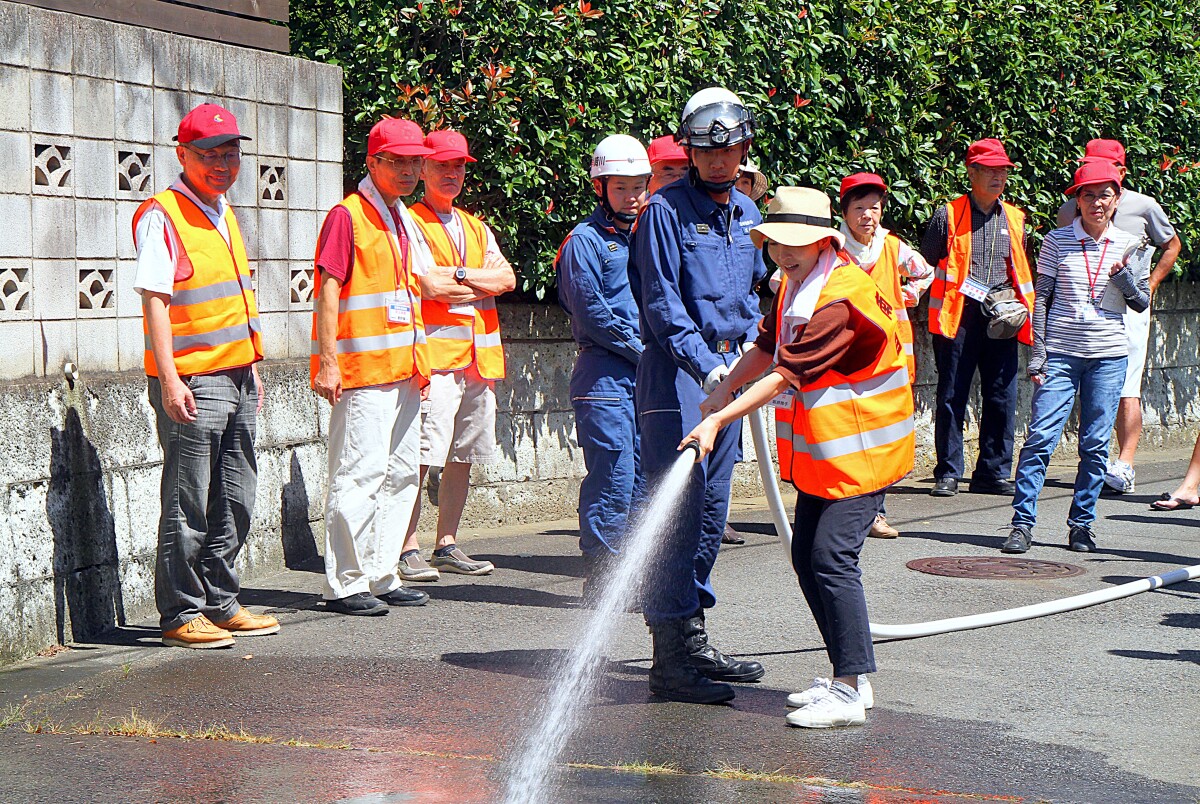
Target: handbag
1005,312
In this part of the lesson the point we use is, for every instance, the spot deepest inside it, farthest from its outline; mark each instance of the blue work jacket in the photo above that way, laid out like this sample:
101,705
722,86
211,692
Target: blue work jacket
693,269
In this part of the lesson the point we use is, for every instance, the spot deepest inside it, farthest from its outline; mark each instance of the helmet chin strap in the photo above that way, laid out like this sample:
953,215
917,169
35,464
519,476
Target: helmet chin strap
622,217
717,187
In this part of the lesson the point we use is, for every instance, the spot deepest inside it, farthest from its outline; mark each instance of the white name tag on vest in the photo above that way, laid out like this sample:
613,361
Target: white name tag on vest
399,312
973,289
466,308
784,400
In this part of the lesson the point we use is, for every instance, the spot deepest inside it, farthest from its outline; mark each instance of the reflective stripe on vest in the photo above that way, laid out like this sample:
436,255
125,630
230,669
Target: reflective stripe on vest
844,436
372,350
213,312
945,301
458,339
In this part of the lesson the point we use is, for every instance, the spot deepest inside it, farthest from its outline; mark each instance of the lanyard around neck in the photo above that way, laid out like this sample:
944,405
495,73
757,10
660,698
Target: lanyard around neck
1093,278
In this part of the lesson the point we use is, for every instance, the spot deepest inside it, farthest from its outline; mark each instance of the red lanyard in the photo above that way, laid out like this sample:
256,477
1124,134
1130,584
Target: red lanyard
1087,266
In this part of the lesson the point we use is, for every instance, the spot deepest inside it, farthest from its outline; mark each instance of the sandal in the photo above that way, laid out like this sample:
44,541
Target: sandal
1168,502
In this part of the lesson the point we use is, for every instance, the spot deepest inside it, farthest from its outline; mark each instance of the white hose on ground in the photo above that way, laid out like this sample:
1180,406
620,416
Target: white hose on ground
783,529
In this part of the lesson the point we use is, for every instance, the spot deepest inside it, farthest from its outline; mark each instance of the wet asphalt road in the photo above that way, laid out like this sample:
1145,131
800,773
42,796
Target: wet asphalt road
424,705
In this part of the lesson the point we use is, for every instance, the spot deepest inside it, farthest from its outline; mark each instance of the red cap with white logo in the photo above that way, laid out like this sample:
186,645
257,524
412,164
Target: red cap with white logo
207,126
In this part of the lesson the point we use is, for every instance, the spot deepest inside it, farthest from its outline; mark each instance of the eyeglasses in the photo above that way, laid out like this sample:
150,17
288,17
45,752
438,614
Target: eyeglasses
1091,198
213,159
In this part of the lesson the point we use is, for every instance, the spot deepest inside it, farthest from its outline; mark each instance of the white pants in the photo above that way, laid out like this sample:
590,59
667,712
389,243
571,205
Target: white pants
1137,332
374,460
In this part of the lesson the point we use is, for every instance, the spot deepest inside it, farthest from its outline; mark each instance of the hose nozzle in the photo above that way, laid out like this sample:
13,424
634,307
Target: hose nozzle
695,447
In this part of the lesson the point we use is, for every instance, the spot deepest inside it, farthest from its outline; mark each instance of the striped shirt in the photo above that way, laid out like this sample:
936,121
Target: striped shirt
1078,266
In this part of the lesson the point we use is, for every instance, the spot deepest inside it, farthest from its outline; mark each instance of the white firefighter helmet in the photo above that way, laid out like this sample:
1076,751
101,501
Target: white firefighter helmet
620,155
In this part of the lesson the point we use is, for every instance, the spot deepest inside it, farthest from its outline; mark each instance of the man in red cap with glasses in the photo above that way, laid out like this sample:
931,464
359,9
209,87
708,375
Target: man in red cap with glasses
981,275
1141,216
370,361
668,163
202,343
465,354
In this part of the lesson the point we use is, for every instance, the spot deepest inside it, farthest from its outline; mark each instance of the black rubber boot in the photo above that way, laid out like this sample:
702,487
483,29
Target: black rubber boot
673,677
710,661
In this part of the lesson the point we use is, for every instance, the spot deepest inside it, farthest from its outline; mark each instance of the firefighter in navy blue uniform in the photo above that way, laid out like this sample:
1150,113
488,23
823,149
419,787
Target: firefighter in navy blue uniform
693,268
593,287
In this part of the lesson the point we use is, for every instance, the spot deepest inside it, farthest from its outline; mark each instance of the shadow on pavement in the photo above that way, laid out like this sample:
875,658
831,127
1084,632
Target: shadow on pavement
1148,519
1192,656
567,566
505,595
1181,620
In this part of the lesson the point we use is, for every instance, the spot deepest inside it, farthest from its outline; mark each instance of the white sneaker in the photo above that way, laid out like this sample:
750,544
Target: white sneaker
837,705
1119,476
799,700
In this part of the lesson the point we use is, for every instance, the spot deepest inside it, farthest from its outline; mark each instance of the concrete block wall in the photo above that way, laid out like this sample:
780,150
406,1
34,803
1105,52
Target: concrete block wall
90,108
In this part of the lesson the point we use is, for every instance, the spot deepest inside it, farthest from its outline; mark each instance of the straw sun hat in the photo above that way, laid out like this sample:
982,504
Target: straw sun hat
797,216
760,187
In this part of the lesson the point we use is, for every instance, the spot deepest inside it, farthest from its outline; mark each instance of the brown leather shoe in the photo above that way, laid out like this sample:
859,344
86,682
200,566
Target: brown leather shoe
880,529
246,623
731,536
197,633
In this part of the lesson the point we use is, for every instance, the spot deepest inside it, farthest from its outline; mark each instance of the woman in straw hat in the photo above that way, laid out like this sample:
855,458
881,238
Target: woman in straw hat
751,181
844,426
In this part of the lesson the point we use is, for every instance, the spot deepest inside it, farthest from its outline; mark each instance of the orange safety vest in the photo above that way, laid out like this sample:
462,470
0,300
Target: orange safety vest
886,273
945,300
842,436
457,335
371,349
214,317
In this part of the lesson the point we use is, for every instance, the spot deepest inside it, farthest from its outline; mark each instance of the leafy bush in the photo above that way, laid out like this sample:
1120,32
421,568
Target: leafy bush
899,88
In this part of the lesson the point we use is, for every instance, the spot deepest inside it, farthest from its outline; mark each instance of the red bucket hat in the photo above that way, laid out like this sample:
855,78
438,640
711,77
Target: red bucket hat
1094,171
399,137
1111,150
665,149
446,145
861,180
989,153
207,126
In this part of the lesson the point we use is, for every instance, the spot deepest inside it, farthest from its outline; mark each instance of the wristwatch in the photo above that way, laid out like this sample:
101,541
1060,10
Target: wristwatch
460,275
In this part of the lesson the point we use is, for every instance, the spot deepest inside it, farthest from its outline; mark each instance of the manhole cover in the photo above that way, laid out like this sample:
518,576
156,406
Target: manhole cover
1017,569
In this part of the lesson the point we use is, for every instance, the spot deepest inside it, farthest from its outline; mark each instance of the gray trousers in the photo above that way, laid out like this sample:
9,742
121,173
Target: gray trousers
208,483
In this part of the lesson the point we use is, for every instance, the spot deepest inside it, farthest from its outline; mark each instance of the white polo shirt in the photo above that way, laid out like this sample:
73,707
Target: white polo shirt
159,248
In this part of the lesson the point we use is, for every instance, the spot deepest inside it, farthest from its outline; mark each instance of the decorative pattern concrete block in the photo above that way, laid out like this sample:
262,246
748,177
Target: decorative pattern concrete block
130,343
16,169
274,76
94,108
95,229
329,88
169,108
274,335
329,137
53,227
289,414
53,165
14,88
135,176
273,234
329,186
16,212
133,116
302,184
302,134
97,290
16,292
134,56
302,235
300,324
55,284
206,68
303,86
246,113
272,131
27,515
300,285
14,34
51,37
93,164
17,360
273,290
54,111
97,339
171,60
95,51
241,72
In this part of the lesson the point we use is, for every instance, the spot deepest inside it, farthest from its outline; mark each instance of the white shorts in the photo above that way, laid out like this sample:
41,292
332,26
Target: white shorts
459,419
1137,333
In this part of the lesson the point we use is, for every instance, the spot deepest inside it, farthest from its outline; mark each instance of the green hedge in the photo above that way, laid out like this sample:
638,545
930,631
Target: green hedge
899,88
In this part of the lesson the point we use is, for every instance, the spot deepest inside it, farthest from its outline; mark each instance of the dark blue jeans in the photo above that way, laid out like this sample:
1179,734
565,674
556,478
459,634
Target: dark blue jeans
957,360
1097,382
828,536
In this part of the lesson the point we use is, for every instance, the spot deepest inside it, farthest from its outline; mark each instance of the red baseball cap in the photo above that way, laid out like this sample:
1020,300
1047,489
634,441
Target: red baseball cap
861,180
446,145
665,149
394,136
207,126
989,153
1094,171
1112,150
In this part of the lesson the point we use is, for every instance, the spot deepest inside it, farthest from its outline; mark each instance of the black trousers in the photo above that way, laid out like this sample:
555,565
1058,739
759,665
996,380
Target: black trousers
826,540
957,360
